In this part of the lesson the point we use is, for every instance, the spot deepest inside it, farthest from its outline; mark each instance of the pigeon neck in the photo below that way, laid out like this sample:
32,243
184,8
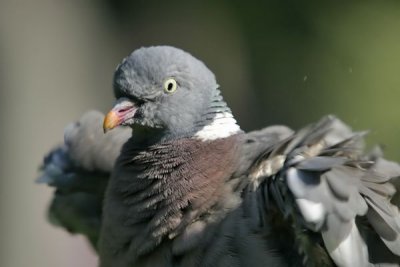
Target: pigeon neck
145,137
218,121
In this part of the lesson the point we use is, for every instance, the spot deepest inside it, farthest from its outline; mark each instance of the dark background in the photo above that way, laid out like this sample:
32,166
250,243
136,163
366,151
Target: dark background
286,62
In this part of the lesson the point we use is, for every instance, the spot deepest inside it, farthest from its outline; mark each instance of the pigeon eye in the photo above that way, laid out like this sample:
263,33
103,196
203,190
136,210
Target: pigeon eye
170,85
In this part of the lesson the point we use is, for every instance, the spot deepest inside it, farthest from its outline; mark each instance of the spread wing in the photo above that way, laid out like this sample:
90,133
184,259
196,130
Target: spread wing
323,185
79,171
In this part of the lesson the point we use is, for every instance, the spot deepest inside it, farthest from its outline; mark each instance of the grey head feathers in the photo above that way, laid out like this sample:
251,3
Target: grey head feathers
195,104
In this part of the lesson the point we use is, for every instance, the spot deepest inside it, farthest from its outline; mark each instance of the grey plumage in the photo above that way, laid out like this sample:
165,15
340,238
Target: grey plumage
189,188
332,184
79,170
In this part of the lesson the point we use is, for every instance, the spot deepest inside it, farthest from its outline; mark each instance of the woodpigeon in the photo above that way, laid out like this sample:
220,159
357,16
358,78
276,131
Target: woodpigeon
178,183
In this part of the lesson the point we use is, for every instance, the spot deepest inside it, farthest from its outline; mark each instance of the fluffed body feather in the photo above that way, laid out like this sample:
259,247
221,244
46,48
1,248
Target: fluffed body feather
188,188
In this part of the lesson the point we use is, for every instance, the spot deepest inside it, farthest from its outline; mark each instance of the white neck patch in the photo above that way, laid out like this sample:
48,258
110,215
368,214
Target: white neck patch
221,126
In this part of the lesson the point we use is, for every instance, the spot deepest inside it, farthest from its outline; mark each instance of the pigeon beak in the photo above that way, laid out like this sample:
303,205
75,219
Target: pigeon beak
123,110
111,121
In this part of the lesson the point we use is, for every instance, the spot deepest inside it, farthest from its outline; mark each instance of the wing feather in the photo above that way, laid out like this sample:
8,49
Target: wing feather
79,171
331,183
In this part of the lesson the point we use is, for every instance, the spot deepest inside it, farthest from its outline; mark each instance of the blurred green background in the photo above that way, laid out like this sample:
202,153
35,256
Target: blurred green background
288,62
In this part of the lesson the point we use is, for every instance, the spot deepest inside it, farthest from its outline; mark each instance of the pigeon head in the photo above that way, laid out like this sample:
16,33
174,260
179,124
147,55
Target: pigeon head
164,88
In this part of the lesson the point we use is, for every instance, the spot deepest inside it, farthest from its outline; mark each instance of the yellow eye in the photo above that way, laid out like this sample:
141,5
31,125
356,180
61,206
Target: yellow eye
170,85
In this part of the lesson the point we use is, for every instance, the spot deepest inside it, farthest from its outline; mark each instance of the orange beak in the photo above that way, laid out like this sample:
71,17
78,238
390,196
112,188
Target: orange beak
123,110
111,121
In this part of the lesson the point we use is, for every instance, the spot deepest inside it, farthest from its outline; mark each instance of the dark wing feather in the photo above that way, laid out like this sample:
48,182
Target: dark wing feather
79,170
331,183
